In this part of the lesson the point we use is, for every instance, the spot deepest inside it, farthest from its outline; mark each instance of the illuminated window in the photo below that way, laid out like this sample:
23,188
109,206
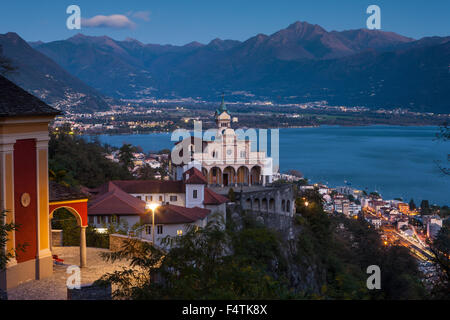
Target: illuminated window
160,198
179,232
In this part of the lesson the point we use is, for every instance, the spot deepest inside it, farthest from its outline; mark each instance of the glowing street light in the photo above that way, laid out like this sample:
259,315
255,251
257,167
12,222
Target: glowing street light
152,206
306,203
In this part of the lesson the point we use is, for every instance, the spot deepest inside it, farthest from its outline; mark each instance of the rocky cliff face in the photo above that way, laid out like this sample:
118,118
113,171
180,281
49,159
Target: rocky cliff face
303,273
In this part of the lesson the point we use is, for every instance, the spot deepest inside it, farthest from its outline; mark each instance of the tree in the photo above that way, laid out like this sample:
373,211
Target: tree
146,172
203,263
5,228
374,194
164,151
295,173
412,205
126,156
444,211
425,207
440,248
341,249
74,161
231,195
60,177
444,135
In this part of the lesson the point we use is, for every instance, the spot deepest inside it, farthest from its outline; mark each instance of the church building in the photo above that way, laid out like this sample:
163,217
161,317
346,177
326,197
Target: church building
228,159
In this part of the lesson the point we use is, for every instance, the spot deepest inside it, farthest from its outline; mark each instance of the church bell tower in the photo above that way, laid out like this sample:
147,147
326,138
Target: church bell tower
223,118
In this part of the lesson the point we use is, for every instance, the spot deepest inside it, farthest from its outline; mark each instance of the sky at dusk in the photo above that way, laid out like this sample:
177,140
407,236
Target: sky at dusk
182,21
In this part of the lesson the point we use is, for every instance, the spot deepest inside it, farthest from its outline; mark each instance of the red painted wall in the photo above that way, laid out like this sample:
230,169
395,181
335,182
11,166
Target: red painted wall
25,181
80,207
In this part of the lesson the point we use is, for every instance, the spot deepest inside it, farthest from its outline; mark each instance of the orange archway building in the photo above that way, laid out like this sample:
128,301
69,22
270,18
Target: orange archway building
76,203
24,191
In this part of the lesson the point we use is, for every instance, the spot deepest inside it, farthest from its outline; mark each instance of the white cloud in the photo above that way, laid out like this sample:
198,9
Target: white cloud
142,15
117,21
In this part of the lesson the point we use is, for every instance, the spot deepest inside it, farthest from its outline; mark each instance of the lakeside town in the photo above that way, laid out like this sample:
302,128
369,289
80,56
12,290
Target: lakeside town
145,116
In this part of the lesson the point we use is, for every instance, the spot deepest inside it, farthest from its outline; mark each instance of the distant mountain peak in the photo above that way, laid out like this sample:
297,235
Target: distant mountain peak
35,43
78,36
11,35
303,26
132,40
216,40
82,37
194,44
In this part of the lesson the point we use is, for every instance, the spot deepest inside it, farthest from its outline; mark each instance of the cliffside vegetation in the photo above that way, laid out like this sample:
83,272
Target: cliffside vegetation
74,161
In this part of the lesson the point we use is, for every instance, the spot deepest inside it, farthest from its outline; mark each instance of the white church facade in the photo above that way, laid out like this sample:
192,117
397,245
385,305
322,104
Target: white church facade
226,160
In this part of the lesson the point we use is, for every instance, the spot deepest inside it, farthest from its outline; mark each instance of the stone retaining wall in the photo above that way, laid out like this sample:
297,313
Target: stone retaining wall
57,238
116,241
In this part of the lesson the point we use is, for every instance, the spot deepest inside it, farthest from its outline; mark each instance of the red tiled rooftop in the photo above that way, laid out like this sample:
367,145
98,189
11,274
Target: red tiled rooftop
115,201
212,198
172,214
150,186
194,176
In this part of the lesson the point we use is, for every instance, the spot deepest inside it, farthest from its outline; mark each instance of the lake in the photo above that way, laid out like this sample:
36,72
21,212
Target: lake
396,161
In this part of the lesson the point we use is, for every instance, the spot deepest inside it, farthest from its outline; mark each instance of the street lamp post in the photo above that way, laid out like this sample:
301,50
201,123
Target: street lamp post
152,206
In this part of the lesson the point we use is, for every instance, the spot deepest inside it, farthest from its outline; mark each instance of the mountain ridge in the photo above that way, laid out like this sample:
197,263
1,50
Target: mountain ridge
302,62
42,77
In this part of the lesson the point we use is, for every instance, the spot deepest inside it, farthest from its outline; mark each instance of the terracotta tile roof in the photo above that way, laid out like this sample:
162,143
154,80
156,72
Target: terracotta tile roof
194,176
212,198
16,102
149,186
172,214
114,201
58,192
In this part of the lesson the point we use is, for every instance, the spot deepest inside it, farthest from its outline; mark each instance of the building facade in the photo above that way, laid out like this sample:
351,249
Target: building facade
24,192
226,157
180,204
